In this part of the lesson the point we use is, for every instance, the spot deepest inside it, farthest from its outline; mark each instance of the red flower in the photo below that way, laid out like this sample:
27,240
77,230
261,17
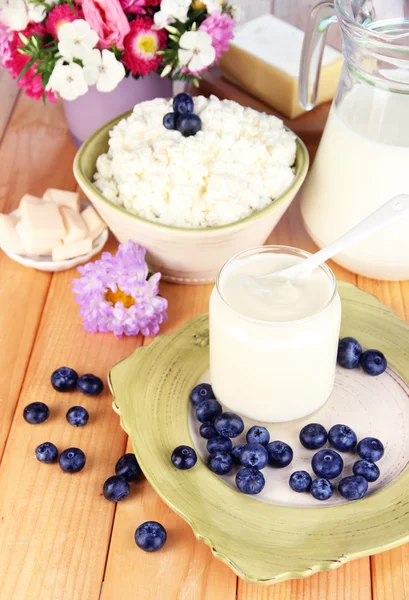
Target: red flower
59,15
141,45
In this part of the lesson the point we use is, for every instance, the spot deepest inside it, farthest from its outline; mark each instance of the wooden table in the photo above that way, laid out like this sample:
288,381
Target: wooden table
59,538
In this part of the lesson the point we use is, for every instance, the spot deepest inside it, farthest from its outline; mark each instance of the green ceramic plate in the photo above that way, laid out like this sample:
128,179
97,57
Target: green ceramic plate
278,536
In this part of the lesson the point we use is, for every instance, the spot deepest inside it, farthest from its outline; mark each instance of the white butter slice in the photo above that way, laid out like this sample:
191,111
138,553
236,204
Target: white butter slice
93,222
74,225
42,221
9,239
30,199
63,198
36,246
73,250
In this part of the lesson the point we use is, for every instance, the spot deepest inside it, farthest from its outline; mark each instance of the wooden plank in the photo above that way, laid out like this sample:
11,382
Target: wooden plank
9,94
55,527
185,569
34,153
390,574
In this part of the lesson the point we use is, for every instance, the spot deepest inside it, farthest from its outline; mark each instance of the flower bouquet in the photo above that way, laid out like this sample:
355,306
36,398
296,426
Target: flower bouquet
61,47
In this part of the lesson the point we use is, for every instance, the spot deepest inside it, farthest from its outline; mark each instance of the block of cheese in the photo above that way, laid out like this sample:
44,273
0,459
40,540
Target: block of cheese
63,198
34,245
73,250
42,221
9,239
74,225
264,59
28,198
93,222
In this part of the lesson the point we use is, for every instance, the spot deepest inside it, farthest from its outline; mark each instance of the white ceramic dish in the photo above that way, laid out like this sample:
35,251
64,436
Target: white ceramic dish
45,263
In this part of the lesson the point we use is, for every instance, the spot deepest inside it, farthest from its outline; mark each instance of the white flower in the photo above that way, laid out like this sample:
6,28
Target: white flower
68,81
16,14
170,11
196,51
103,70
214,5
76,39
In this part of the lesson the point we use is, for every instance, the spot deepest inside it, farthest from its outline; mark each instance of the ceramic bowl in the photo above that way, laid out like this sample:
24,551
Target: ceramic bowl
182,255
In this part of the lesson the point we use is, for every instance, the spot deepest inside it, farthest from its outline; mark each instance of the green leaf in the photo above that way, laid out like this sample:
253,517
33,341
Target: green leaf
26,68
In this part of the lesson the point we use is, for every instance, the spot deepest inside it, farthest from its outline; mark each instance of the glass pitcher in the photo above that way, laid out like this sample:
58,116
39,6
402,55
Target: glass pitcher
363,158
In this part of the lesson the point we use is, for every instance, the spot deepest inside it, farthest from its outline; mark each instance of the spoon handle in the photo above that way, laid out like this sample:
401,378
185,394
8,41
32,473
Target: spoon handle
388,213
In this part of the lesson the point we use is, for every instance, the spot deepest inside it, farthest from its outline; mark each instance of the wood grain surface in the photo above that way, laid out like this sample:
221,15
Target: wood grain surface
59,538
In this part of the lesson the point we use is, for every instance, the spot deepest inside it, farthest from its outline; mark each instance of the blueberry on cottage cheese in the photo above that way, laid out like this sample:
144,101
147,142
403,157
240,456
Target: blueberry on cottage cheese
250,480
229,425
201,392
184,457
47,453
220,463
219,444
64,379
183,103
208,410
313,436
327,464
349,352
116,488
150,536
72,460
280,454
366,469
342,438
207,430
128,467
370,449
169,120
188,124
236,453
77,416
36,412
321,489
258,435
373,362
90,385
300,481
254,455
353,487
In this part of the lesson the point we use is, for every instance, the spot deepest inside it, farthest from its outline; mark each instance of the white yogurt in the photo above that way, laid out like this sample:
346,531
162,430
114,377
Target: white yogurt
273,354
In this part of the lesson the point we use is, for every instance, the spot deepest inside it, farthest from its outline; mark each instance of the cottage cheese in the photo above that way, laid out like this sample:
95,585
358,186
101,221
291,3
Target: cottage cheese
238,163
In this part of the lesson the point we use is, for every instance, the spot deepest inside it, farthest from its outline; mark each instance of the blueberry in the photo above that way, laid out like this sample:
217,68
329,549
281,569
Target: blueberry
64,379
370,449
77,416
219,444
250,481
300,481
327,464
313,436
72,460
254,455
220,463
184,457
207,430
236,453
258,435
342,438
188,124
349,352
279,454
90,385
373,362
229,425
367,469
36,412
353,487
116,488
183,103
321,489
169,120
203,391
128,467
208,410
150,536
47,453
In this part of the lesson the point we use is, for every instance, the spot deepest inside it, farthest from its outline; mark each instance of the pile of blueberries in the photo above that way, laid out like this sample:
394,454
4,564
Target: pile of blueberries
350,356
182,118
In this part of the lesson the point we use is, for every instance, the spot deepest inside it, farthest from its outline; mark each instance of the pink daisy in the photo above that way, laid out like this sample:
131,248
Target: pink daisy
115,294
59,15
141,45
220,28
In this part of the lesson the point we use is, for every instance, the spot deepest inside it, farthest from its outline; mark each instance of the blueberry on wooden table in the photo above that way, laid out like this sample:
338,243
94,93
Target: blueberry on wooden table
72,460
77,416
36,412
90,385
150,536
64,379
128,467
116,488
47,453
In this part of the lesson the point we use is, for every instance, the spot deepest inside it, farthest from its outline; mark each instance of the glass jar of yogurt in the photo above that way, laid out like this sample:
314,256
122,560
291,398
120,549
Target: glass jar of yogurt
273,347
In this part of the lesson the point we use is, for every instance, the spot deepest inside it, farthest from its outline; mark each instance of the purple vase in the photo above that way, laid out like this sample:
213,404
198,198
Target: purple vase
89,112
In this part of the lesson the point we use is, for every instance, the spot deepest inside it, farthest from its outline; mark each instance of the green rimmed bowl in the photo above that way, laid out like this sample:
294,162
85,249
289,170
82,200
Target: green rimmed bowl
267,542
182,255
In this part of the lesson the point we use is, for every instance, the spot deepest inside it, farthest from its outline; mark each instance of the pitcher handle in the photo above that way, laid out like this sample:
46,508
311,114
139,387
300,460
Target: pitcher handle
321,17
